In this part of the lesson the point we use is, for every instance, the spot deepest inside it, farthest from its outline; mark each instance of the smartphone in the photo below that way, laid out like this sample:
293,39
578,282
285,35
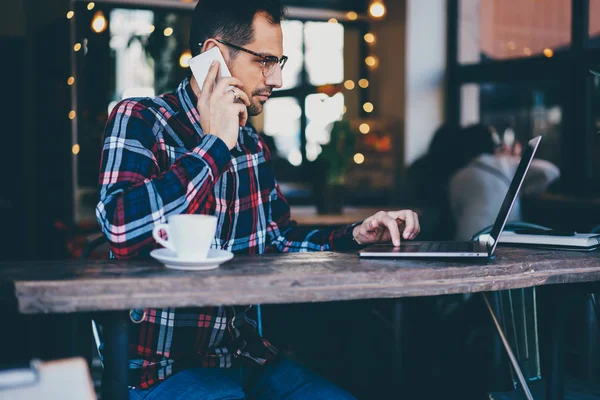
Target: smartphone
201,64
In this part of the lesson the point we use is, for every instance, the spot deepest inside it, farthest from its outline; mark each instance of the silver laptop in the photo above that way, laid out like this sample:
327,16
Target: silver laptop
480,249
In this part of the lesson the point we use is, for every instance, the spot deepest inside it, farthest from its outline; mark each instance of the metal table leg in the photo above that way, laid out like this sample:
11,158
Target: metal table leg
555,385
116,340
511,356
592,324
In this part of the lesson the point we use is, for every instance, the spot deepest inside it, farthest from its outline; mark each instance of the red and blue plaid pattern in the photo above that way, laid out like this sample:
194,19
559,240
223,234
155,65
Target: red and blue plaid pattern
157,162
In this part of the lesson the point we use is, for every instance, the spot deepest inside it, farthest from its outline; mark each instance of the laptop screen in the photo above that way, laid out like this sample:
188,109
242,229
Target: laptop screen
513,190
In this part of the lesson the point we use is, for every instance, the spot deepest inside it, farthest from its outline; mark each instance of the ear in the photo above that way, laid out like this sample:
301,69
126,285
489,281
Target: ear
208,44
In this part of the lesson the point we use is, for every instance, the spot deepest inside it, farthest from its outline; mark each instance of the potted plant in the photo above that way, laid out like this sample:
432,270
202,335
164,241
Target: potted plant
332,168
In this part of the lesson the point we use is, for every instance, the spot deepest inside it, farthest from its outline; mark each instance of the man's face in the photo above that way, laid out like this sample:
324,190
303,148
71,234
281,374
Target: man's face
268,40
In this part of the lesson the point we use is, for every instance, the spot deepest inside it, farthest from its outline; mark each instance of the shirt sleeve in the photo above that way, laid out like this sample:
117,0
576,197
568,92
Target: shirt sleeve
284,235
539,177
135,194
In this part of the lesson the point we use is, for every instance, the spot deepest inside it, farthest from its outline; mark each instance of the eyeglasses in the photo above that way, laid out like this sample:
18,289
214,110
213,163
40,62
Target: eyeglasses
268,62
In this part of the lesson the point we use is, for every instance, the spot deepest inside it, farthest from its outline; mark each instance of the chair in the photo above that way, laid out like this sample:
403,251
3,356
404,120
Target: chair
518,316
66,379
516,324
93,246
89,249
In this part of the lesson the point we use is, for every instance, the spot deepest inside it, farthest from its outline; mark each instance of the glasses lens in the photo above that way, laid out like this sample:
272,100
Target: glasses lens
269,66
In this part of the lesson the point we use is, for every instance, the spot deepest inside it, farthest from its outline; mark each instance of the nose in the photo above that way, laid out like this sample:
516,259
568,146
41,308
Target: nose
276,78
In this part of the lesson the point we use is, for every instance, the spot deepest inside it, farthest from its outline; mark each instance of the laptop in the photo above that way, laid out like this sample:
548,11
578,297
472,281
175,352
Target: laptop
473,249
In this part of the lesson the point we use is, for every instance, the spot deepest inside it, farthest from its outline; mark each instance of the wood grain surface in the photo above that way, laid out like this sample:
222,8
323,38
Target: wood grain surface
75,286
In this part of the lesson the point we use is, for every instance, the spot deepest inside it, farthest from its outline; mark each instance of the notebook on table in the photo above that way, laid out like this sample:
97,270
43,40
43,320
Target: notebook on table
553,239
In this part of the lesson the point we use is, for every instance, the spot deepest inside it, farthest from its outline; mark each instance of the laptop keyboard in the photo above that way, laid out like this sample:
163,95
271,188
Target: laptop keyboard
445,247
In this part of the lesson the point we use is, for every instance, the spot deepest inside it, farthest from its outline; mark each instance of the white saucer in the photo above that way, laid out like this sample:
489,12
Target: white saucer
214,259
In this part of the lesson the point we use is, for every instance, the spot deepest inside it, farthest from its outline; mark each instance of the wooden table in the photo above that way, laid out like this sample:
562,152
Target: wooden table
90,286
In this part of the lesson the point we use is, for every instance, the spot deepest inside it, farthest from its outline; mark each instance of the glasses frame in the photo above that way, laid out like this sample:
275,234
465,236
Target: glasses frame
265,58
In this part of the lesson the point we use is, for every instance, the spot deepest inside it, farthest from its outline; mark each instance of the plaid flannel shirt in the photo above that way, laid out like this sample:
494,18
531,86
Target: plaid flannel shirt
157,162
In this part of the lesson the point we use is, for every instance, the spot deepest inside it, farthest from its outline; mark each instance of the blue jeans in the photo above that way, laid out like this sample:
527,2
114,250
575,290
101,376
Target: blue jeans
281,380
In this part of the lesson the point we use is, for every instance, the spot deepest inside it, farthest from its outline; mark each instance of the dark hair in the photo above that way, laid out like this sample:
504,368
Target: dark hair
452,148
476,140
442,153
230,20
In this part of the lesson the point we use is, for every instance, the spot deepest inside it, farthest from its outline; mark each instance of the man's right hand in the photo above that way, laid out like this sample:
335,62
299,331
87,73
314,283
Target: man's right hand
220,113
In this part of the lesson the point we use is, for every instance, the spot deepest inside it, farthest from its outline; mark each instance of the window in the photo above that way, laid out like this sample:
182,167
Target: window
594,28
525,66
282,121
292,47
523,110
297,116
129,32
324,55
506,29
321,112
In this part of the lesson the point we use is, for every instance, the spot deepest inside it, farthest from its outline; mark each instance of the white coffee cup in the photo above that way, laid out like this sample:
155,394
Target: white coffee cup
188,235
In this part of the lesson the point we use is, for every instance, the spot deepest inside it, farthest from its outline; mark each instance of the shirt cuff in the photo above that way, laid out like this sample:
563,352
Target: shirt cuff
345,240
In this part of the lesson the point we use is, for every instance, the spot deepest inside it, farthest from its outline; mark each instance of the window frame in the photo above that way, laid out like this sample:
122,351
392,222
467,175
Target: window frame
569,70
305,88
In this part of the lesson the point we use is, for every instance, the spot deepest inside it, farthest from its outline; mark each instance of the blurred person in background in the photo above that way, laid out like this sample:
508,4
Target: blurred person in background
486,166
427,181
460,183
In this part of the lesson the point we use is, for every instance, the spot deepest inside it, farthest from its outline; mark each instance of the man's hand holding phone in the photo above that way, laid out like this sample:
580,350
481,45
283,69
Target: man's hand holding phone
222,107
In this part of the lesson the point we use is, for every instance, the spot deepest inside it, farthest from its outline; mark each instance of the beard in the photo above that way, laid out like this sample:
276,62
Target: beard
256,105
255,108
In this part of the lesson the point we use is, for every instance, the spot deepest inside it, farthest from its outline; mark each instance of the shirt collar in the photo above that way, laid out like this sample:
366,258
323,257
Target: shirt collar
189,100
